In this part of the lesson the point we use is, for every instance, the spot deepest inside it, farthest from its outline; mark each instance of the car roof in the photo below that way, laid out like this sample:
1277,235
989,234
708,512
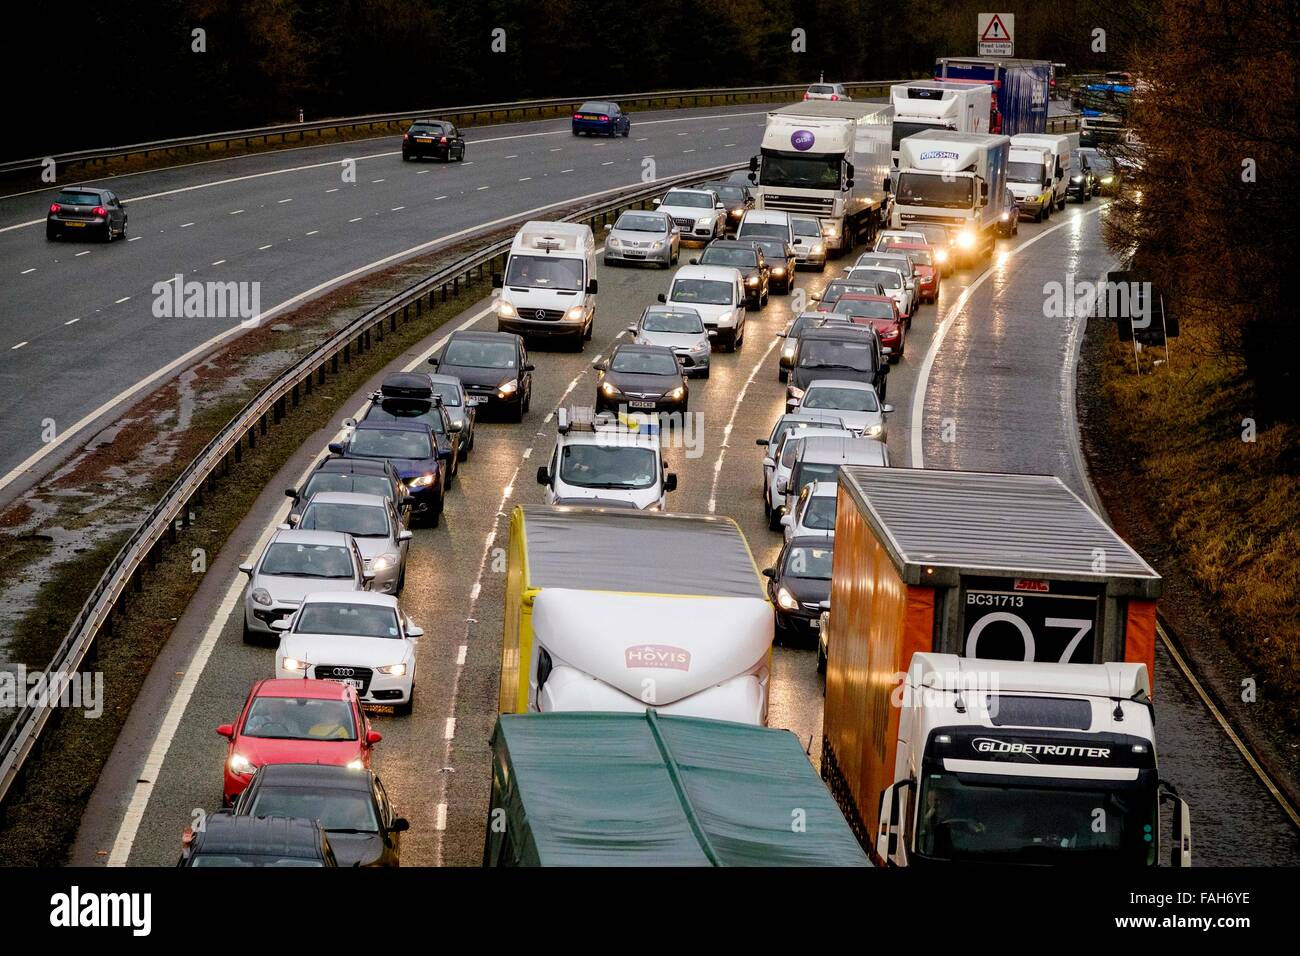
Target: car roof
350,597
300,687
839,331
718,273
625,438
839,383
296,536
860,297
824,489
370,425
825,449
483,336
766,215
347,498
356,466
260,836
811,540
311,775
672,307
689,189
749,244
649,349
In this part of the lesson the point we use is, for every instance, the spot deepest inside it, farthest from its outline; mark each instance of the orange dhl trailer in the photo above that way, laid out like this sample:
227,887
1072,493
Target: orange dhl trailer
986,566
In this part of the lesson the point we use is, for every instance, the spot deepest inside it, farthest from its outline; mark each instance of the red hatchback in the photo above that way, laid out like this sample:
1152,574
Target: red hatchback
927,269
295,721
882,313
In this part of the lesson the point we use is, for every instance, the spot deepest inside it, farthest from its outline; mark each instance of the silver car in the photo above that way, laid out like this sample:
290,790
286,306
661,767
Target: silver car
462,409
809,244
643,236
293,565
679,328
373,523
700,214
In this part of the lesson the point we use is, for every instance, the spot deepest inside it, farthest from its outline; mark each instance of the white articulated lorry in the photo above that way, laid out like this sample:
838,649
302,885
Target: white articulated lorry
953,179
829,159
924,106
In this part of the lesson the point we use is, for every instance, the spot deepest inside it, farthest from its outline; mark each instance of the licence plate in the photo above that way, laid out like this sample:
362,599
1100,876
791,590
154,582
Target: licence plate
631,404
816,624
422,139
629,254
379,708
74,225
350,681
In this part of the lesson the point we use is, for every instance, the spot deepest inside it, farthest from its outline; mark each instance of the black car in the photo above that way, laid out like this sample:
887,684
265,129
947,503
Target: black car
844,351
745,255
363,476
838,287
797,584
493,367
81,210
228,840
738,199
795,328
407,397
1083,184
642,378
1106,171
435,138
781,261
351,806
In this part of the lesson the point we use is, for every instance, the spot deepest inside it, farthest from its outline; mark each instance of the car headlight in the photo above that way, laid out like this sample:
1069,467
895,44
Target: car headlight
1106,179
506,310
1005,215
1076,179
575,313
355,764
752,280
241,764
704,221
788,352
607,389
656,245
818,248
738,211
421,481
966,238
293,664
786,600
676,394
262,596
941,255
383,562
874,431
701,346
508,388
778,270
393,670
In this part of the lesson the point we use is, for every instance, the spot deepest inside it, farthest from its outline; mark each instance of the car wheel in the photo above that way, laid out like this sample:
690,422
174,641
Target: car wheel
590,330
406,157
774,519
435,514
783,375
706,372
51,234
401,582
108,230
404,710
627,130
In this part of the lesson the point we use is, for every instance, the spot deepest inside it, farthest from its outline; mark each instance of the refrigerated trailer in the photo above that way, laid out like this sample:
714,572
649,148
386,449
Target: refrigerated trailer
924,106
987,567
1021,89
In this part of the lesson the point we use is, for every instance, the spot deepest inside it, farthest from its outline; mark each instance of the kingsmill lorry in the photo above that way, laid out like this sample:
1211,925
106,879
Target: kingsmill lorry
953,179
611,609
990,646
1021,89
923,106
829,159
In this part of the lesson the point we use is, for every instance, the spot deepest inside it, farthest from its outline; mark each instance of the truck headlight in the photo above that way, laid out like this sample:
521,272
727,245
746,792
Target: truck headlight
786,600
941,255
966,238
393,670
575,313
830,231
505,310
262,596
420,481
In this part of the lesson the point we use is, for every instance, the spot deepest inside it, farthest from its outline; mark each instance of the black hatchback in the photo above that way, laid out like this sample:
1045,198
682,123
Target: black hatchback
745,255
435,138
493,367
359,475
642,378
86,212
842,351
228,840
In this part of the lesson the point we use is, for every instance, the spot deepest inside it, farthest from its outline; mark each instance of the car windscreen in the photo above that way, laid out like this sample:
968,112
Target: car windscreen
347,620
865,309
922,256
335,481
683,322
333,809
820,513
703,291
806,227
837,354
773,249
230,860
307,561
360,521
382,443
1102,164
843,399
812,563
545,272
688,200
449,393
729,256
806,472
840,287
300,718
889,278
883,261
764,230
1025,173
800,170
70,197
475,353
641,222
730,193
644,363
422,413
931,189
608,466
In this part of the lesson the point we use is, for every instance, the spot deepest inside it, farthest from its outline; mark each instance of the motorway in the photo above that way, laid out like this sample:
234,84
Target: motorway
998,369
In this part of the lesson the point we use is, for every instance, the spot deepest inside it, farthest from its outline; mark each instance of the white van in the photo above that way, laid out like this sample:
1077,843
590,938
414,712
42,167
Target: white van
766,224
1059,159
603,461
549,286
717,293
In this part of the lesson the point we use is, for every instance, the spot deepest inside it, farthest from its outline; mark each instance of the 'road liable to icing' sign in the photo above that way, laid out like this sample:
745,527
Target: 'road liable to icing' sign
996,33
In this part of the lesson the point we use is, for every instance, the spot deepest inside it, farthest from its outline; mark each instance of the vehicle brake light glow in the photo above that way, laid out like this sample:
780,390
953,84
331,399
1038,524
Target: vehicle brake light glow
406,136
443,139
835,96
603,118
100,211
55,207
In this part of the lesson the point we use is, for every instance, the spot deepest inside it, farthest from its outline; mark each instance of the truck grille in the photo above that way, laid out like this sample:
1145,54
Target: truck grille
811,204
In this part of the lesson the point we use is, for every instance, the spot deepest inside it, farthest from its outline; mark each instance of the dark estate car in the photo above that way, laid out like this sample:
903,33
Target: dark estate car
781,260
738,199
357,475
85,211
745,255
409,397
493,367
228,840
841,351
434,138
413,450
645,378
601,116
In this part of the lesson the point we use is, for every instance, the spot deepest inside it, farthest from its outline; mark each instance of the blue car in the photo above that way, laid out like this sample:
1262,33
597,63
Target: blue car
599,116
413,450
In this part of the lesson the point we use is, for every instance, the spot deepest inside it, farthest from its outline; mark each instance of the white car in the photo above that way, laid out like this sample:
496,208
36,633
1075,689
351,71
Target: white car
809,244
827,91
700,214
894,260
892,281
791,421
820,457
295,563
814,512
374,525
362,639
679,328
606,462
783,463
853,403
717,293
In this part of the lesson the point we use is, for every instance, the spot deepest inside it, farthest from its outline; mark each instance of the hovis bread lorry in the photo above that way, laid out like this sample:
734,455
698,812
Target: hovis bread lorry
989,568
617,610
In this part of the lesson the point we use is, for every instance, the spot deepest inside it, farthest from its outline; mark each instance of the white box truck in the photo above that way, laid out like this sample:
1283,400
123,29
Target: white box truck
953,179
927,105
829,159
1059,162
1026,763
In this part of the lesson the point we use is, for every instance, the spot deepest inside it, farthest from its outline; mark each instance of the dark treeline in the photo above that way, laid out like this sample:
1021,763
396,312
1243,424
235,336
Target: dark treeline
96,74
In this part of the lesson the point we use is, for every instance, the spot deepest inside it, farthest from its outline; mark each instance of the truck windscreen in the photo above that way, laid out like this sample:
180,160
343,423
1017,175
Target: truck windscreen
799,171
964,821
1025,173
930,189
903,129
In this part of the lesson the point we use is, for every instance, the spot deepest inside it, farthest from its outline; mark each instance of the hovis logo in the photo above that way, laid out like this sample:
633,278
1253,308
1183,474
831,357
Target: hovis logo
76,909
659,656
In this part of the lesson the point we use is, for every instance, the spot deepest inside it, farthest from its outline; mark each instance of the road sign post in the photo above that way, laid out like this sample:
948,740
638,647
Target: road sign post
996,33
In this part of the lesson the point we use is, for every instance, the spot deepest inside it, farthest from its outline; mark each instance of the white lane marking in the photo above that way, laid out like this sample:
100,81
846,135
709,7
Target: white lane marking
219,262
397,209
376,180
525,179
313,232
358,219
470,163
73,321
25,271
688,151
421,172
917,436
440,821
135,238
549,416
265,247
726,432
610,163
461,653
449,731
281,202
121,300
47,447
236,212
684,134
334,190
566,170
513,156
555,149
186,225
18,346
481,188
728,145
528,453
436,198
80,254
723,129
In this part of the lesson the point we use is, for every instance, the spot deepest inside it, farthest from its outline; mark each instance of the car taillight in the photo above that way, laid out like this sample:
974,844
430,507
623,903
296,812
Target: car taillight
805,96
835,96
55,207
604,119
406,136
100,211
577,116
443,139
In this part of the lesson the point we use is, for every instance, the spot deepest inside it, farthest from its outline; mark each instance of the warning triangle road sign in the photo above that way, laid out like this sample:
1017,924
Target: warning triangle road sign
996,30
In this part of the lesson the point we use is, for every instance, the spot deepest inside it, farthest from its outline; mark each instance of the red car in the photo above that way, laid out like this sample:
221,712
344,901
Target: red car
295,721
927,269
879,311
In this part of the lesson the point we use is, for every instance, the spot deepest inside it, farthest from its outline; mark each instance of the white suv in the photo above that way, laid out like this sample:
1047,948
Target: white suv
700,214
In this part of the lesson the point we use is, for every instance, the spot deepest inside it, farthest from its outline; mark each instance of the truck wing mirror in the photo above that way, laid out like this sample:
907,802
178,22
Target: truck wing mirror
543,475
885,184
890,820
1181,852
670,481
591,287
